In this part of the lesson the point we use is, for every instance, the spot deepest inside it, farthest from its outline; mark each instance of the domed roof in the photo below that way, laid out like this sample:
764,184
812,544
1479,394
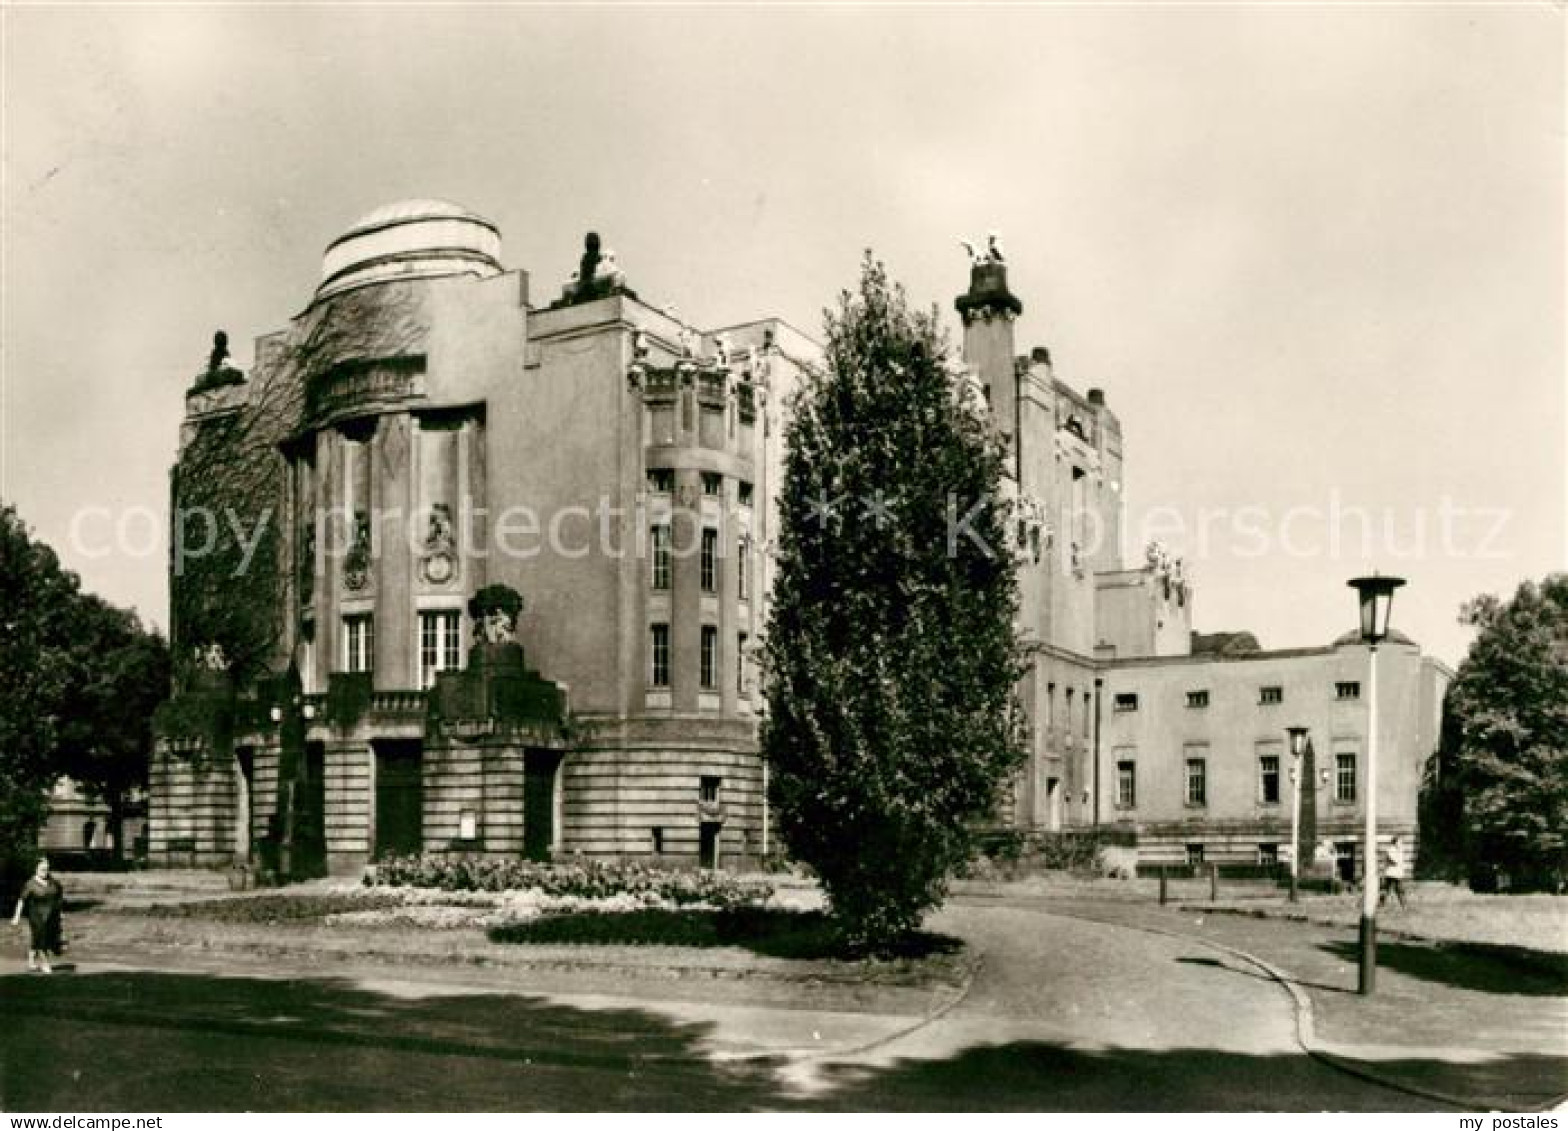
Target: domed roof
1354,637
420,238
408,211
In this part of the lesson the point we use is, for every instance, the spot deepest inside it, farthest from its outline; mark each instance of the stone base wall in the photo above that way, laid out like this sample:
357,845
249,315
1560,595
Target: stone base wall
454,780
191,810
622,784
1237,844
624,780
349,789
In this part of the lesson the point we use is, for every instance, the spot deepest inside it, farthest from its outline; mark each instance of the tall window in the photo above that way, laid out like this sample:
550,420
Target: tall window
659,654
659,543
1268,779
1197,781
1126,785
741,571
359,643
740,664
710,657
1344,777
440,643
744,491
710,563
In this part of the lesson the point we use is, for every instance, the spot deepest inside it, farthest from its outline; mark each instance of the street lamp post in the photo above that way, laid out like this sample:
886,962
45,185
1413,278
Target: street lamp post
1298,747
1375,595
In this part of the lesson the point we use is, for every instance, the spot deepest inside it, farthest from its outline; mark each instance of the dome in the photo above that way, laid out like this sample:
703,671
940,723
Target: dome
411,239
1354,637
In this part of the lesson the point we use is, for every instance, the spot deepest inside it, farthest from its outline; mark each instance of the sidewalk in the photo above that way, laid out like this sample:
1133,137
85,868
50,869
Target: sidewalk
733,1027
1444,1021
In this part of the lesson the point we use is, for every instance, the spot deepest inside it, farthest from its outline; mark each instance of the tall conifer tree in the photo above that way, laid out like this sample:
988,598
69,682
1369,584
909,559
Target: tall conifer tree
892,654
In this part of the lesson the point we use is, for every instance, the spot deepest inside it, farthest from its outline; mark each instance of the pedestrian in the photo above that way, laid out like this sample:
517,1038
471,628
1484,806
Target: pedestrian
42,897
1394,872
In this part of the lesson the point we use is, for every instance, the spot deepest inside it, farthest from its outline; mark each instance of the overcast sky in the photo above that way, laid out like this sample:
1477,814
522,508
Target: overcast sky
1313,255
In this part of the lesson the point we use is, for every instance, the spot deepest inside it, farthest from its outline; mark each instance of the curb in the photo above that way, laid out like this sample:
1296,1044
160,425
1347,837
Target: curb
1306,1031
814,1053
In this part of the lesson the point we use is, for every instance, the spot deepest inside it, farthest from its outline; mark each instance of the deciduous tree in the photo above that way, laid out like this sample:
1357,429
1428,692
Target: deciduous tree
1505,768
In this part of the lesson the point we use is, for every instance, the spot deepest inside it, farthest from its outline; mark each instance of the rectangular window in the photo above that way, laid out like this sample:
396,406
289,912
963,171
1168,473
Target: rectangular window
659,541
712,483
710,562
740,664
1197,781
1126,701
661,480
1126,785
440,644
1347,689
709,789
659,654
1345,777
710,657
1197,698
1271,695
741,570
1268,855
1195,856
1268,779
359,643
744,491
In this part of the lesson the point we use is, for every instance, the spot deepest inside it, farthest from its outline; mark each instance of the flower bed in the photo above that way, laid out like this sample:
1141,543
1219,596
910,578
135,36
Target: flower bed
585,880
291,907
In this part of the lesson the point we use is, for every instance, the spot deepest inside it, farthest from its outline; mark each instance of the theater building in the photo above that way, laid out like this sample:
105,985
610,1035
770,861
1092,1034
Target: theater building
437,440
436,430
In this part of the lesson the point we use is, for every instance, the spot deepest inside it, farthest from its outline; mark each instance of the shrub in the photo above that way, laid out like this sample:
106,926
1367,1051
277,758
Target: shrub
588,879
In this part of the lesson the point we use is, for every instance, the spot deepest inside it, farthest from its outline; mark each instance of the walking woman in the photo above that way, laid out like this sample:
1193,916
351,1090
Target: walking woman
42,897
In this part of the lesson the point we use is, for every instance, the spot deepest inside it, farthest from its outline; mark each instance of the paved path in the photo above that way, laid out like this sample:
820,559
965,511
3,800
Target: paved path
1064,1014
1442,1021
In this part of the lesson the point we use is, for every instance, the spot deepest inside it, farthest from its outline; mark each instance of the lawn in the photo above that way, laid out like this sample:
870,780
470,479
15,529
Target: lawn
1437,911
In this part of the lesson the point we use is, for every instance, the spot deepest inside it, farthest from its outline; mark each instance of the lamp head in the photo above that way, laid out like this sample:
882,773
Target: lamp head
1298,740
1375,595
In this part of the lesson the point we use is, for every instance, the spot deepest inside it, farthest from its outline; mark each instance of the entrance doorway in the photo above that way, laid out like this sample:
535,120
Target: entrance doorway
539,770
400,797
245,785
708,843
1345,861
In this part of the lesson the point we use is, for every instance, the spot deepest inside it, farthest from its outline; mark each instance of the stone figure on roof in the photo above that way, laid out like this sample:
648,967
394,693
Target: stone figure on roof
598,273
991,253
